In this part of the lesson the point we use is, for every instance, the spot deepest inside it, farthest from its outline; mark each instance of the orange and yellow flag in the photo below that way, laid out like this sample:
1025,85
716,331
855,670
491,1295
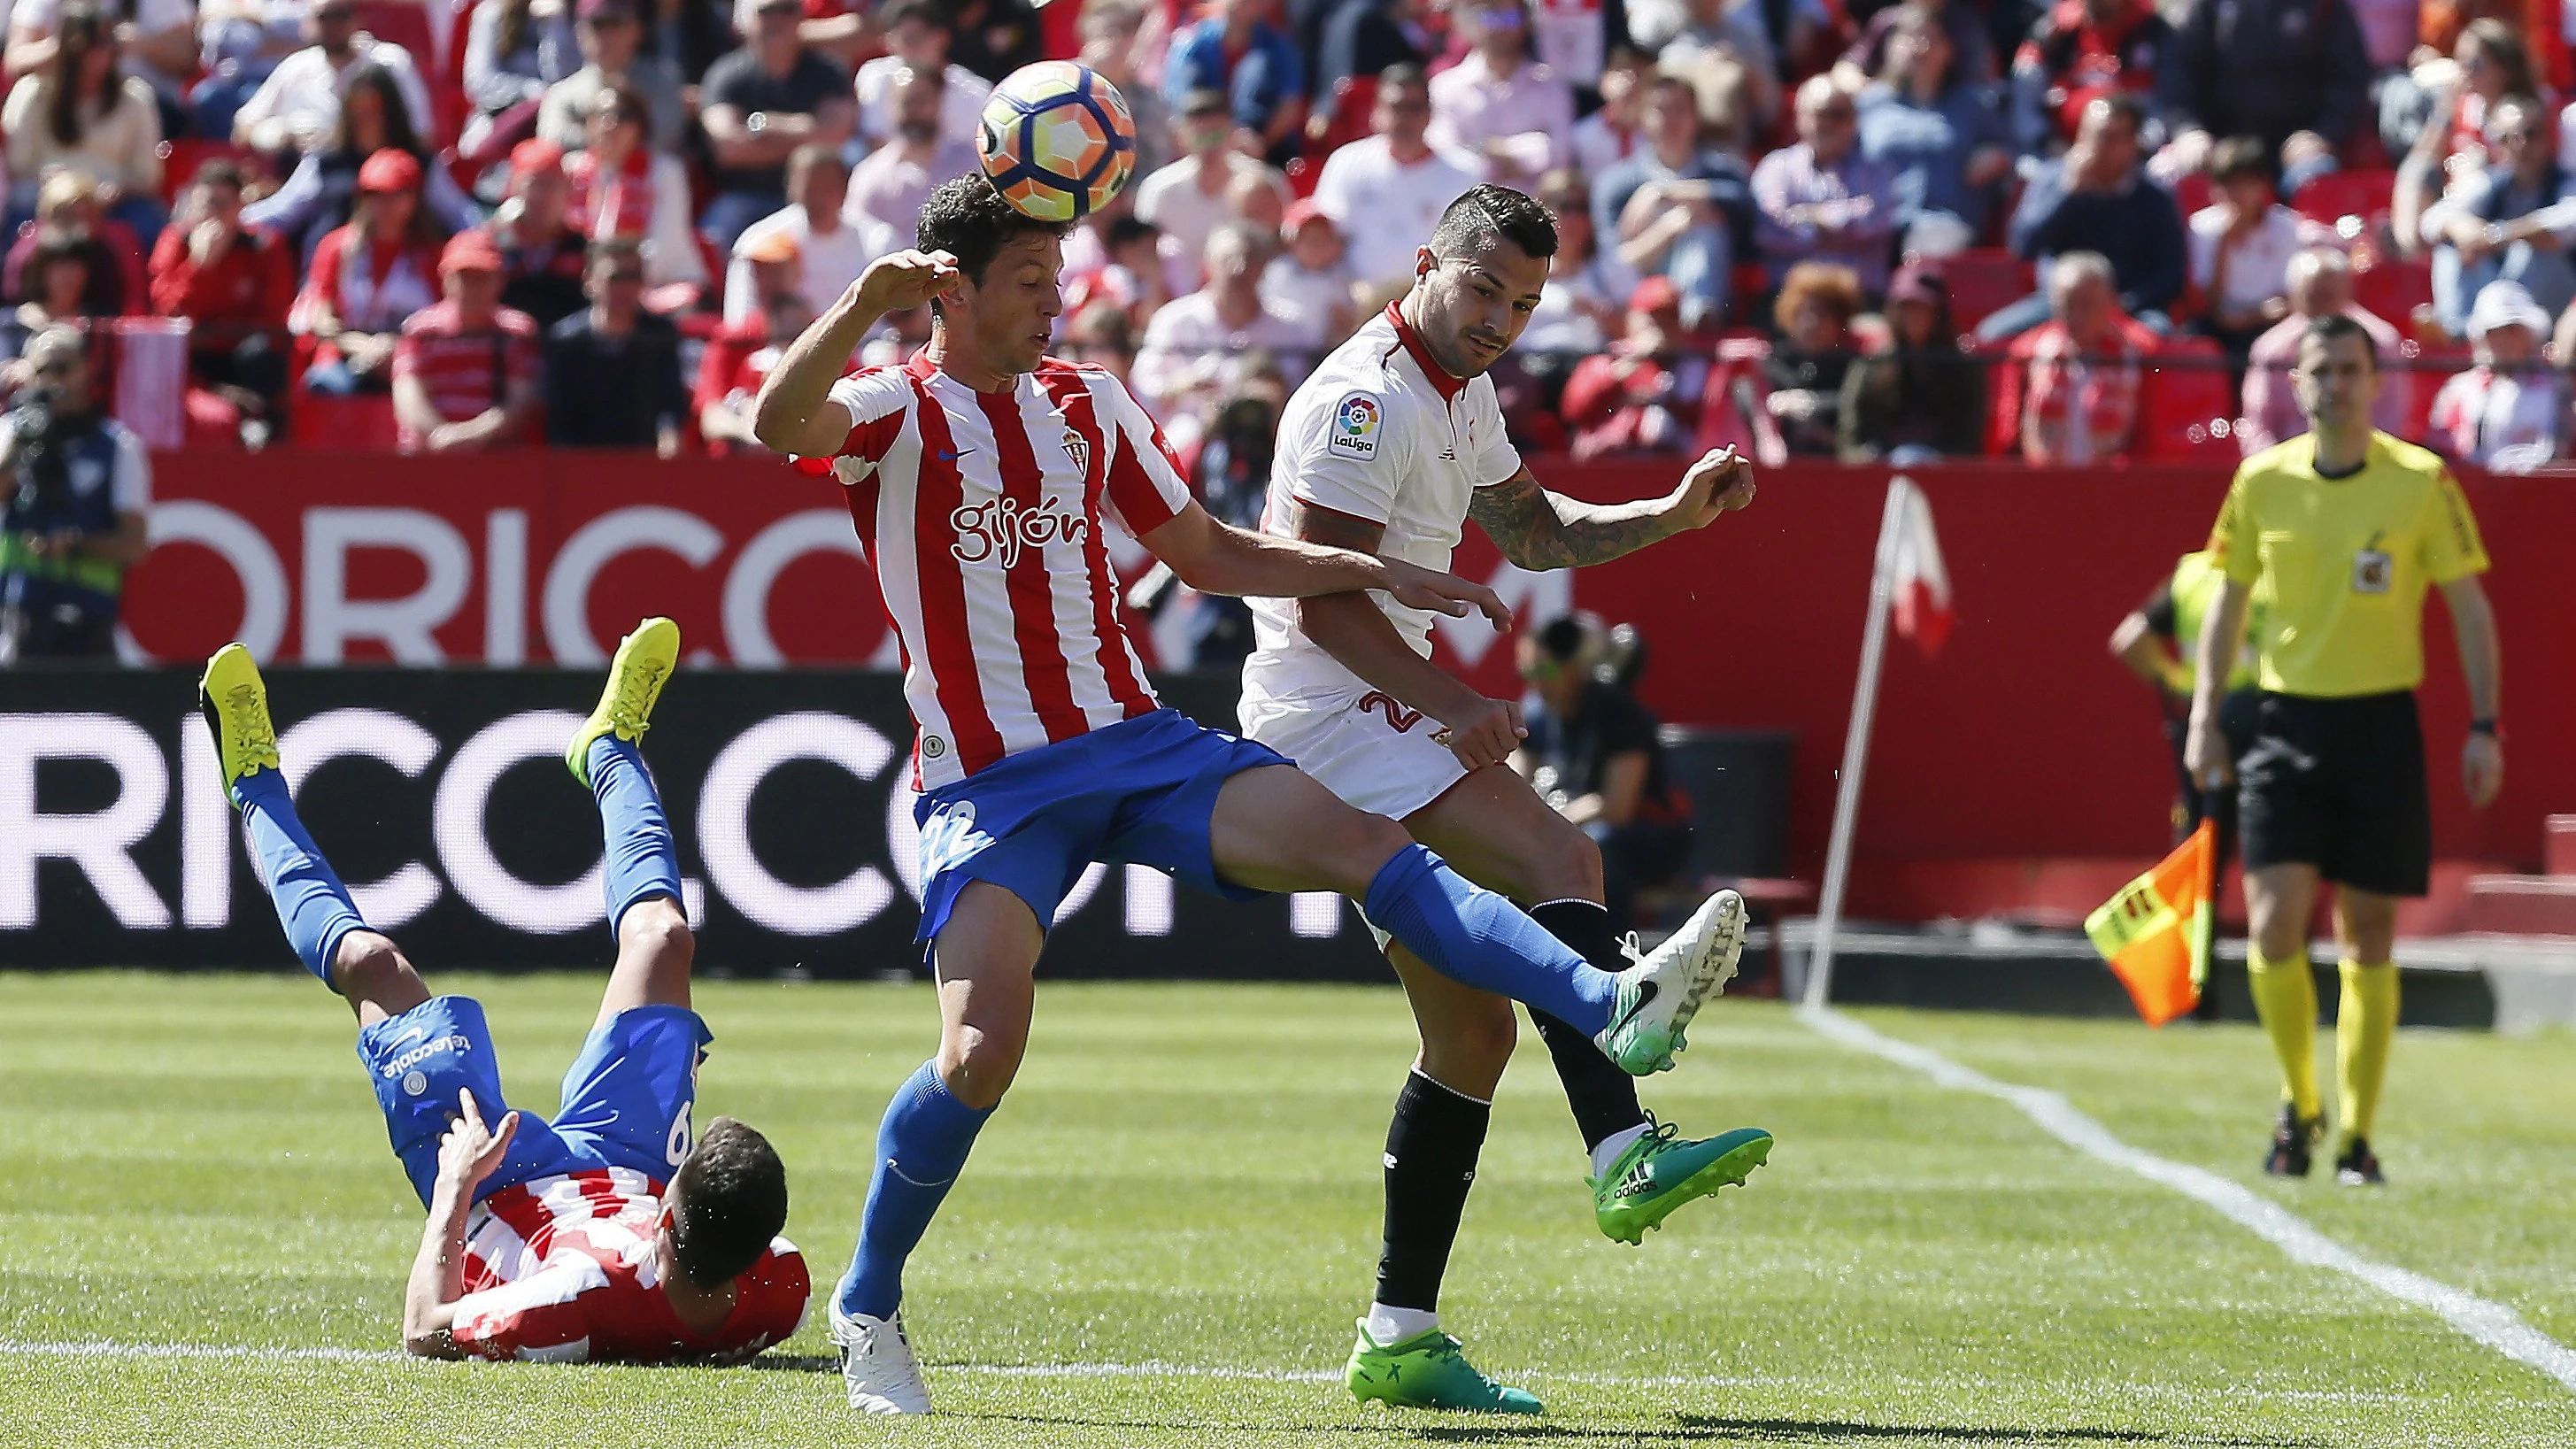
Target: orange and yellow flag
2156,931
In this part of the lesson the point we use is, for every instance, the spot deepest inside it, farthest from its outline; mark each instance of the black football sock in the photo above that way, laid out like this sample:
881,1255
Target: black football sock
1431,1150
1603,1097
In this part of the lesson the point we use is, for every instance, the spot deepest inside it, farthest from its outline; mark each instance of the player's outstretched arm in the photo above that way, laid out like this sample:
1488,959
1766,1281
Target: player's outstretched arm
1217,558
1537,529
469,1154
792,414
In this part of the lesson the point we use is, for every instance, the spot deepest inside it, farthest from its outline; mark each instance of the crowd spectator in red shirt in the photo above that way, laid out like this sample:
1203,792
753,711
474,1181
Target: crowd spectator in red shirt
233,284
465,372
1643,394
367,277
2081,50
541,249
622,187
729,378
67,211
2077,376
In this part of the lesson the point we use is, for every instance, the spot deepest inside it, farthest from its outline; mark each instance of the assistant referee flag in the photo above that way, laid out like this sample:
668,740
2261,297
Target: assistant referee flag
2156,932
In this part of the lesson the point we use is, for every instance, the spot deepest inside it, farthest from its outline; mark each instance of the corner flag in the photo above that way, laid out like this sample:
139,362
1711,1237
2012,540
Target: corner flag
1922,582
2156,931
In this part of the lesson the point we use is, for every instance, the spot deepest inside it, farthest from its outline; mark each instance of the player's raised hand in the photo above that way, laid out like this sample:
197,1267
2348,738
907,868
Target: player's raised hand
1416,587
904,280
471,1151
1720,482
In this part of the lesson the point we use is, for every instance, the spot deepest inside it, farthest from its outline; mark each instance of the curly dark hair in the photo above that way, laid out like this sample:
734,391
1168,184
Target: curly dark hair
970,221
727,1201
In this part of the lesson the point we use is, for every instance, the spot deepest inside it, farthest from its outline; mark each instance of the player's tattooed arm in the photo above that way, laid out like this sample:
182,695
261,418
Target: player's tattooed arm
1537,529
468,1154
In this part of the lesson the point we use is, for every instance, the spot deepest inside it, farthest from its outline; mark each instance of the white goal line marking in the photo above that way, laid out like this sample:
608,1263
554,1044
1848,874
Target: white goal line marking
2487,1322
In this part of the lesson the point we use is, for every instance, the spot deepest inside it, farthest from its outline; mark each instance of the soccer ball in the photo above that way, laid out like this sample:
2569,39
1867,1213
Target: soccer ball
1057,140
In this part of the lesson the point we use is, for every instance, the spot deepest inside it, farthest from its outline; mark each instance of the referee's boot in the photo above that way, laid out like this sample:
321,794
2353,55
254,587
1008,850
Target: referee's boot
2294,1144
2357,1165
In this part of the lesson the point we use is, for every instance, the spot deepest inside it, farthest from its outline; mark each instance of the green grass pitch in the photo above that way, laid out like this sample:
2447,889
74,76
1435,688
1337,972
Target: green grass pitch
1166,1232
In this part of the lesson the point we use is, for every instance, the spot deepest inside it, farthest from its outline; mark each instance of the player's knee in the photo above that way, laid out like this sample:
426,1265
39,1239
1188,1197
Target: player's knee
977,1065
369,967
1367,842
1562,864
657,930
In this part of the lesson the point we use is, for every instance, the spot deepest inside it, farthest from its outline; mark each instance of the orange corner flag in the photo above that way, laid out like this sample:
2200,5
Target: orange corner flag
2156,931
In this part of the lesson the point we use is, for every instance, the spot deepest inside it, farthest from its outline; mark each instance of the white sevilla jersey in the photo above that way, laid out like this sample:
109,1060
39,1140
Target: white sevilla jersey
562,1270
982,512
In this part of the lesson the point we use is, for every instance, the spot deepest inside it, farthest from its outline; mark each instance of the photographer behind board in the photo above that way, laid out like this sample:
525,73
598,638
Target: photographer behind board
78,489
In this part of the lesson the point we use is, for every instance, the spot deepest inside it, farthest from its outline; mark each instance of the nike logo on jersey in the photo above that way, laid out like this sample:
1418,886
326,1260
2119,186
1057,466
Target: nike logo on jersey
1448,455
951,455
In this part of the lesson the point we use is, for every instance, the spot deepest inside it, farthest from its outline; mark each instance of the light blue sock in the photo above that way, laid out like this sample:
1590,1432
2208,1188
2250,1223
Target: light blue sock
641,861
1475,937
921,1148
311,903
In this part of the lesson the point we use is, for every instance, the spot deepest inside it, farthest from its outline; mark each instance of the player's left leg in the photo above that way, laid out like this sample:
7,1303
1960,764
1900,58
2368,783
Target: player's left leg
641,871
2365,1024
1496,831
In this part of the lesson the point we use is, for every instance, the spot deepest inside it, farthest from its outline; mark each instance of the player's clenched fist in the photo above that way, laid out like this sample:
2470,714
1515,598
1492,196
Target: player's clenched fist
903,281
1720,482
1485,732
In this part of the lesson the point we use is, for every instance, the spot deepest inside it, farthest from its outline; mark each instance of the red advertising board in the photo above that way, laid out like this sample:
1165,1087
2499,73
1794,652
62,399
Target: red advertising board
2022,743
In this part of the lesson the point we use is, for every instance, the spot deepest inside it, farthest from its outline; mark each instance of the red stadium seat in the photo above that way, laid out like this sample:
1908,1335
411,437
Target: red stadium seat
2189,412
2393,288
1983,280
180,158
2339,194
2192,192
1346,117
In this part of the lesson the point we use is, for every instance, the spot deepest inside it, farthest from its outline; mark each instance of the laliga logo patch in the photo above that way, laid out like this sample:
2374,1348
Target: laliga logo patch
1354,433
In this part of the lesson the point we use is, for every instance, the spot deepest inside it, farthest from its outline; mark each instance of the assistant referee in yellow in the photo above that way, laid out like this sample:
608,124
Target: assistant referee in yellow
2344,528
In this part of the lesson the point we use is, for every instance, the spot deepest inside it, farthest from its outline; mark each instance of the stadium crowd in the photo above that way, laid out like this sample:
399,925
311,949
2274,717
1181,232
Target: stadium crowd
2066,232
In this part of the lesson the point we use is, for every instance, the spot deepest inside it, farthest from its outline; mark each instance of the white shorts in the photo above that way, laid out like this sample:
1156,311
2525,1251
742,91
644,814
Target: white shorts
1373,752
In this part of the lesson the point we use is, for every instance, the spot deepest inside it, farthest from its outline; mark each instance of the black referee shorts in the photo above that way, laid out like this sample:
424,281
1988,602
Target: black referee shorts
2339,784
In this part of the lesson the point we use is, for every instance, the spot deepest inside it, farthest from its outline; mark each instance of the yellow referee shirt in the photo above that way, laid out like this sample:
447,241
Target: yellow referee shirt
2347,561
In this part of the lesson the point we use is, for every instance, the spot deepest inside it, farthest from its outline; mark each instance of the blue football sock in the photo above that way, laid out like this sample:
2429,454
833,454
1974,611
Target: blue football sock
1473,936
641,862
311,903
920,1150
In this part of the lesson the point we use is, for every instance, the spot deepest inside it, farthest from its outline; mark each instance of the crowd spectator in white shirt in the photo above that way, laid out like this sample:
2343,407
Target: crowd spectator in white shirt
156,42
512,54
1195,343
1312,277
834,247
1189,199
1584,304
1617,131
1386,191
2503,413
611,38
917,38
891,184
2241,244
79,114
302,96
1500,102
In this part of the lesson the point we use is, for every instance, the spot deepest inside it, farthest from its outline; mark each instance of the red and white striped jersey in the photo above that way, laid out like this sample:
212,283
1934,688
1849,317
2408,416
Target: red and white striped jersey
982,513
561,1270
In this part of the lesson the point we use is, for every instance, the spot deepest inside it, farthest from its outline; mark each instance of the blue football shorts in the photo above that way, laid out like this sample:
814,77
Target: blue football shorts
1139,792
626,1100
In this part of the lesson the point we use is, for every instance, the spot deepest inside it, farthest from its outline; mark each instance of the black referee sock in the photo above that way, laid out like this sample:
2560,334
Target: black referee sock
1431,1150
1603,1097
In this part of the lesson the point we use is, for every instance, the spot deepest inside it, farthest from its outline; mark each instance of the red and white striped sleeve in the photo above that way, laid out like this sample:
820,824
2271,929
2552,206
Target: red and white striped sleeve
538,1319
1145,486
879,402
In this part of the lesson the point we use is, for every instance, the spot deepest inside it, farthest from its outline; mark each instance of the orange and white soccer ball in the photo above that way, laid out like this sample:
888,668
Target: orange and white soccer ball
1057,140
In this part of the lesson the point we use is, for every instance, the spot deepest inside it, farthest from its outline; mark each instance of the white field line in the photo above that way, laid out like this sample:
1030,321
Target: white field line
2489,1323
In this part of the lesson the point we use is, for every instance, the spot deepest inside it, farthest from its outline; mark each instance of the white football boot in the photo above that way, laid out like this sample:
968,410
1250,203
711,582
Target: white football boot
1657,997
878,1366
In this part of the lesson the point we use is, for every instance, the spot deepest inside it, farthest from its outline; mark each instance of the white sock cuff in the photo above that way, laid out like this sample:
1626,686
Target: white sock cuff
1573,901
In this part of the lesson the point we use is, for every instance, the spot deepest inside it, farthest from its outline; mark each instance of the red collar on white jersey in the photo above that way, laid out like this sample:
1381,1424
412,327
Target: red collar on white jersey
1449,386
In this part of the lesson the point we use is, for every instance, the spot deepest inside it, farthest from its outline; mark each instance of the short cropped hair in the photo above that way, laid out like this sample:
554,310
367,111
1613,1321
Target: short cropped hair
2327,328
727,1201
1489,214
970,221
1403,75
2240,156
